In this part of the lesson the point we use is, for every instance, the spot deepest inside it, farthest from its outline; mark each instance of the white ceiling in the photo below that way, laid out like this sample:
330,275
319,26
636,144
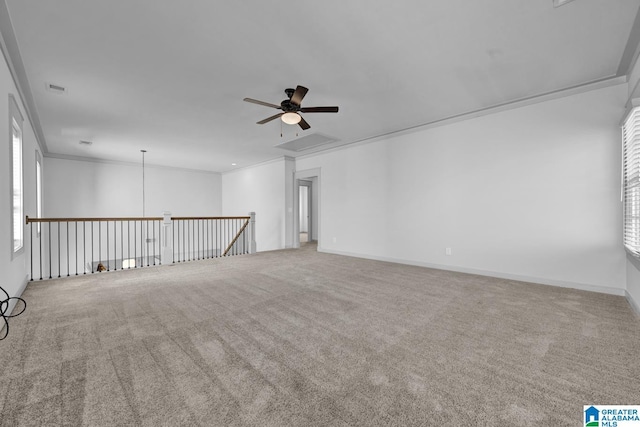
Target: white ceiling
169,76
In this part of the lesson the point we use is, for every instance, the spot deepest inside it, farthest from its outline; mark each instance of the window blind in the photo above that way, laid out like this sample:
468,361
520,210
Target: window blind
631,181
16,167
17,196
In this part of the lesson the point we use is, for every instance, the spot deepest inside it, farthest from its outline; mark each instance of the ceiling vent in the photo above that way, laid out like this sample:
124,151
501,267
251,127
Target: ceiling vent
86,143
558,3
307,142
56,88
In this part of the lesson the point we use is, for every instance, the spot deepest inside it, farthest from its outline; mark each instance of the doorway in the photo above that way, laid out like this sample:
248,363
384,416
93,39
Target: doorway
304,211
306,206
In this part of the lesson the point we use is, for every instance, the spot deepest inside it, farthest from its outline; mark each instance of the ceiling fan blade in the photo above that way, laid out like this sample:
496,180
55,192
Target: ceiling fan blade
303,124
268,119
266,104
297,96
319,110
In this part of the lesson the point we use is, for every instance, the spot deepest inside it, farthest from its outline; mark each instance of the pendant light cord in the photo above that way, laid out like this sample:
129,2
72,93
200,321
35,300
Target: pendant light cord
143,200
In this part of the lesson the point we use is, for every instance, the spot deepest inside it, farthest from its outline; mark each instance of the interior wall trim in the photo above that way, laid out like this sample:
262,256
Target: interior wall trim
631,49
633,303
510,105
254,165
520,278
123,163
11,53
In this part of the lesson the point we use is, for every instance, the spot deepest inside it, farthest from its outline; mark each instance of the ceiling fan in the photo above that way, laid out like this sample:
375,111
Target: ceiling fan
291,108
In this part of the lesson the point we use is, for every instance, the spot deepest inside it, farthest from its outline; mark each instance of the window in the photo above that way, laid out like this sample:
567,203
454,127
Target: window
631,181
38,188
17,206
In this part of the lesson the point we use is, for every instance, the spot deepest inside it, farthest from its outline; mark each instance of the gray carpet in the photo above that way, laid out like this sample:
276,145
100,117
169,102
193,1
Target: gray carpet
300,338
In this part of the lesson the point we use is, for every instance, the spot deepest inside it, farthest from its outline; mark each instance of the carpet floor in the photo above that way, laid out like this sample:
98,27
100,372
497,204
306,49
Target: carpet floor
301,338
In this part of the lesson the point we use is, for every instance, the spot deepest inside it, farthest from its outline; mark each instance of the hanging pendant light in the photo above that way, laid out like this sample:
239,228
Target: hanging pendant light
143,201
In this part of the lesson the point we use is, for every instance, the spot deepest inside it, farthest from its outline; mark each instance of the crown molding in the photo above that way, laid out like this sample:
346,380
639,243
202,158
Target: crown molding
510,105
123,163
631,49
11,53
264,163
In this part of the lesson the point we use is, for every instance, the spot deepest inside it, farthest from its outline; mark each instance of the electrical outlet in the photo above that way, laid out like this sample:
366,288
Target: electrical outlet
448,251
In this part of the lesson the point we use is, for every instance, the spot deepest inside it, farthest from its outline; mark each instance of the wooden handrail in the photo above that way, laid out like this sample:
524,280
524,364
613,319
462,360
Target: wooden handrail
181,218
93,219
107,245
237,236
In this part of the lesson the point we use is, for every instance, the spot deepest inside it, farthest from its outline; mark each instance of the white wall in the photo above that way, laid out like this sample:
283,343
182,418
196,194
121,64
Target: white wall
259,189
531,193
290,197
75,188
14,271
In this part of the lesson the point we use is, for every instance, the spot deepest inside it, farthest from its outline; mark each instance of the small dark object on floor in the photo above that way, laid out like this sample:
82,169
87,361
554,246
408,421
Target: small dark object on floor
4,308
101,267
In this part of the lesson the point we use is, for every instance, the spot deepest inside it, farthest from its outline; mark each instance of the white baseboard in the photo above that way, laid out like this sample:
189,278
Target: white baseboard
633,303
500,275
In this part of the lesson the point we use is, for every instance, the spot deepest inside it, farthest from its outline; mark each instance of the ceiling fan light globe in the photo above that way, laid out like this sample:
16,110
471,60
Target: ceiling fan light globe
291,118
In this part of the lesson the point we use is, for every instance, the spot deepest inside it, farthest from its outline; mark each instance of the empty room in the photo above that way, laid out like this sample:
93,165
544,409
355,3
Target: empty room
355,213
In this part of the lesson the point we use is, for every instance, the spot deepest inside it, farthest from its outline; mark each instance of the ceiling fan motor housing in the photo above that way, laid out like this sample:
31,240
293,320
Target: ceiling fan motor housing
287,105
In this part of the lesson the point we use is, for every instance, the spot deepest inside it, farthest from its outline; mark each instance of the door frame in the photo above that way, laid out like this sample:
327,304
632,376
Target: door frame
314,176
310,217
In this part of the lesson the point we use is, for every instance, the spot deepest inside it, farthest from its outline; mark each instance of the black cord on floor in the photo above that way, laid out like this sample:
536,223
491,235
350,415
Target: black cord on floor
4,308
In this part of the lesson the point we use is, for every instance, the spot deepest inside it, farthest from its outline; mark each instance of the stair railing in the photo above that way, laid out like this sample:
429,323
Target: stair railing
62,247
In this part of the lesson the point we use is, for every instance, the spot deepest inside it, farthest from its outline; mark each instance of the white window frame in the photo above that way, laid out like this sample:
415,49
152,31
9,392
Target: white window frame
631,182
16,178
38,189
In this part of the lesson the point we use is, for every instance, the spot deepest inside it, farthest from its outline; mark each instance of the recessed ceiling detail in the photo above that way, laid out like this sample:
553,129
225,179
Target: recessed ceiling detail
307,142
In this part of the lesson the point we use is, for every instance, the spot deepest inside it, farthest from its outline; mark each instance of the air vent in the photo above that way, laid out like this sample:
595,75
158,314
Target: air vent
307,142
558,3
56,88
86,143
